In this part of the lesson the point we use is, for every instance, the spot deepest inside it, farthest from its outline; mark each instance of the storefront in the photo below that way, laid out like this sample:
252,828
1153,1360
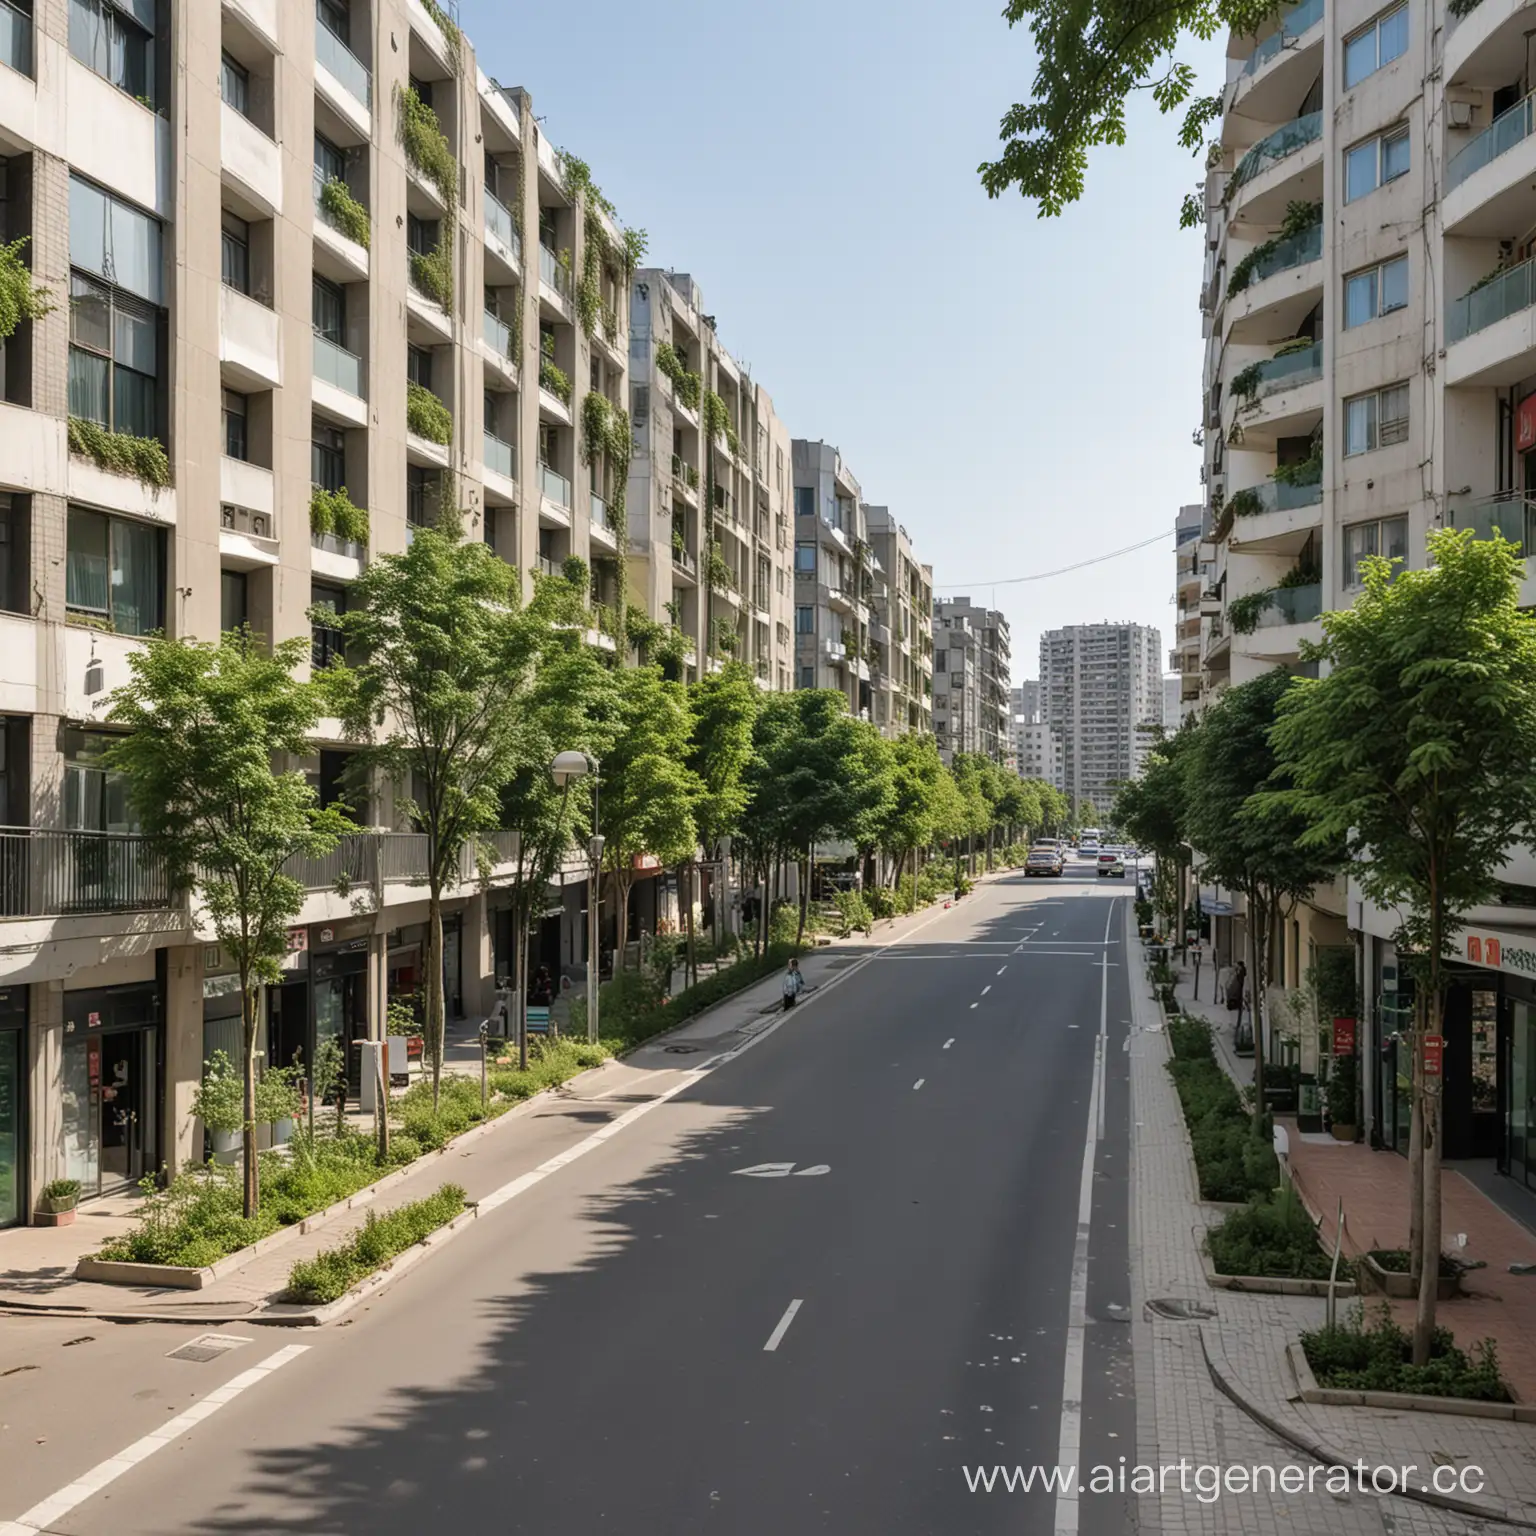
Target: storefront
113,1066
339,984
13,1105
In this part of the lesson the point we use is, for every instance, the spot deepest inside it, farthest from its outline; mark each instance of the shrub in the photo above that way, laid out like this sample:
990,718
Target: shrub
277,1094
882,902
554,379
335,512
344,211
854,912
1397,1261
784,924
426,145
426,415
334,1271
1377,1356
1233,1160
219,1099
1272,1235
964,886
120,452
20,298
458,1108
432,272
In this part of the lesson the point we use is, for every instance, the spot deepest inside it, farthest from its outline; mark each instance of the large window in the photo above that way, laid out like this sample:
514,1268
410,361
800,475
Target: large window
1375,420
421,495
15,553
805,621
114,571
805,559
1375,291
1375,162
235,85
325,639
327,457
328,310
236,438
1385,536
233,606
330,163
95,798
116,39
1376,46
235,258
114,358
115,241
805,501
418,366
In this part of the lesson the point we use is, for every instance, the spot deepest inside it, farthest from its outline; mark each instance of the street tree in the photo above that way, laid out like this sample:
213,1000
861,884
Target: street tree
911,816
1151,809
207,726
1418,750
439,660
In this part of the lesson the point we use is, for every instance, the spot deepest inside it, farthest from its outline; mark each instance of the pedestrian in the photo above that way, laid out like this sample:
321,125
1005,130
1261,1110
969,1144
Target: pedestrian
542,991
1235,984
794,982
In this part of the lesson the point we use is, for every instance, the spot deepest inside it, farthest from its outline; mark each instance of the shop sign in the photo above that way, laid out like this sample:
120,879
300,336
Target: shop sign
1434,1052
646,861
220,986
298,940
93,1021
1525,424
327,934
1343,1037
1512,952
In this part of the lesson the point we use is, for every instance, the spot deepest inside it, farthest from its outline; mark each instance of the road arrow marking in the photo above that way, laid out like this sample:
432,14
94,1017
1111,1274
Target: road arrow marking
767,1171
811,1173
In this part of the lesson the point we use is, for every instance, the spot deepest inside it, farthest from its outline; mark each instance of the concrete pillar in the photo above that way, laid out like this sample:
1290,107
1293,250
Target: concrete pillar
181,1137
45,1085
478,959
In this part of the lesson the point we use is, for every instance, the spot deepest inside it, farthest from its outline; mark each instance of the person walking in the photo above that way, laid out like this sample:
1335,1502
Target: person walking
794,983
1235,984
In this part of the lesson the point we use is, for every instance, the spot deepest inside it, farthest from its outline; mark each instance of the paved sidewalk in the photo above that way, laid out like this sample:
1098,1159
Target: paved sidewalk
1183,1410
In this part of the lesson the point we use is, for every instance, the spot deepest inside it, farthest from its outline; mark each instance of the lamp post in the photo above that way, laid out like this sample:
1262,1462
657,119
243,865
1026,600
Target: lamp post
567,767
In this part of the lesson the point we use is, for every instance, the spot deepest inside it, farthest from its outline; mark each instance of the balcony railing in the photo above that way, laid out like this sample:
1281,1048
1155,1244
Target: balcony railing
1288,370
498,222
350,70
600,518
554,486
46,873
1292,25
1271,496
1294,252
685,561
15,39
1281,143
1509,513
1291,605
1492,300
547,565
498,336
500,457
336,366
552,272
1506,130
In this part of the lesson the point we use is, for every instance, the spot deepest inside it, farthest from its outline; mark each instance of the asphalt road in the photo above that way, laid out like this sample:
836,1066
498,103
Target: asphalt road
651,1341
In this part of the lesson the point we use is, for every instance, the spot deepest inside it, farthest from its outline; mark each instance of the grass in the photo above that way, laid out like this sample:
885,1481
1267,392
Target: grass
1374,1354
1234,1161
334,1271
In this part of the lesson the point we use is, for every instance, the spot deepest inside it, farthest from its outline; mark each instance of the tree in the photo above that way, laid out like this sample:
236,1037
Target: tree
439,659
1418,749
1151,810
206,724
1090,59
910,816
1088,815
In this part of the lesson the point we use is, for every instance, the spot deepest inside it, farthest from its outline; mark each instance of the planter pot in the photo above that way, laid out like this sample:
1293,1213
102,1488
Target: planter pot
1399,1284
282,1131
226,1146
1343,1132
44,1218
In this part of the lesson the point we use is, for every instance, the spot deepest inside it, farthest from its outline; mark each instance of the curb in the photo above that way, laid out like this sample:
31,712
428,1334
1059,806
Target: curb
1269,1285
1401,1402
1329,1457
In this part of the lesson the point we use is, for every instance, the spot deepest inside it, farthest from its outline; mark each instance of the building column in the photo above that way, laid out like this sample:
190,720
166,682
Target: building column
183,1056
479,960
45,1086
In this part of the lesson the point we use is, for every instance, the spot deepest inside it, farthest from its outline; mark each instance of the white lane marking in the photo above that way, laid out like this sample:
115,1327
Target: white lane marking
975,1005
918,1084
814,1171
1103,1041
948,1043
777,1336
1108,918
765,1171
55,1508
1001,969
986,989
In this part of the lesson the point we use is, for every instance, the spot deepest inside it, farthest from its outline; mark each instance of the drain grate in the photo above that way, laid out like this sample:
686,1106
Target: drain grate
207,1346
1177,1310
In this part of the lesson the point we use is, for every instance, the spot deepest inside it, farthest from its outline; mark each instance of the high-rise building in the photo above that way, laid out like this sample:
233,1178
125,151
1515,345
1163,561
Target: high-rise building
1184,654
1172,688
970,679
902,656
1102,686
1024,700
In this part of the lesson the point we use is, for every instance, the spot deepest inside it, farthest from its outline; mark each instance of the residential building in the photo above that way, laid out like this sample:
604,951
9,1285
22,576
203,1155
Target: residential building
902,658
273,334
1101,688
1024,700
1172,688
970,679
1184,654
1038,752
709,521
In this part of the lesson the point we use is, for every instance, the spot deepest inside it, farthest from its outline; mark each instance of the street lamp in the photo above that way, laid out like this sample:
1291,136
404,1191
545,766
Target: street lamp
567,767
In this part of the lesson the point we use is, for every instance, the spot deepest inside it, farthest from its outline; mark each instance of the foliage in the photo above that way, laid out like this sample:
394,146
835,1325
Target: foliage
554,378
426,415
722,709
344,211
1299,218
278,1096
1150,809
1233,1159
426,145
1245,383
717,572
335,512
120,452
854,912
445,25
20,298
1272,1235
432,272
219,1100
1243,612
59,1195
334,1271
1342,1091
1375,1355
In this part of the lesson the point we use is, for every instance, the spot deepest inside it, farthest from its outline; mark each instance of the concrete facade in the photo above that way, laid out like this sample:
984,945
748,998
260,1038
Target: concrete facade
902,658
972,656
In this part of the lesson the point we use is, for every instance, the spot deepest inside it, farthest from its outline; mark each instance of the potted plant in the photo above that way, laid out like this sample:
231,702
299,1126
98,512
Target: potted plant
220,1104
277,1101
56,1204
1341,1099
404,1018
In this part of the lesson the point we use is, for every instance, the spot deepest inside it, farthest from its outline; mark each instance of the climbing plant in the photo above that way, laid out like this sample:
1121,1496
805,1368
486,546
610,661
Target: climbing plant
121,452
335,512
433,272
20,298
426,145
426,415
344,212
447,28
1299,218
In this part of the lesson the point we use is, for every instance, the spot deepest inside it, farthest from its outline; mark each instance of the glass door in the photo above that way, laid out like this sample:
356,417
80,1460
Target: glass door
1522,1094
82,1113
127,1106
12,1088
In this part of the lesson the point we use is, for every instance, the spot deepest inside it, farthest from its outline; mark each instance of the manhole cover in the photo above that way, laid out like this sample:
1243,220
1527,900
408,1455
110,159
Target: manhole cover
682,1050
207,1346
1177,1310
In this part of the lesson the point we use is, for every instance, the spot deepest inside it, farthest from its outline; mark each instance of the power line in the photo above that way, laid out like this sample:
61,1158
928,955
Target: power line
1013,581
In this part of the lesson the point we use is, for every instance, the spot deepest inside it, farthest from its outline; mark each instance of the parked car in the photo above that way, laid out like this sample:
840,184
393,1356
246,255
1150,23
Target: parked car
1042,861
1112,864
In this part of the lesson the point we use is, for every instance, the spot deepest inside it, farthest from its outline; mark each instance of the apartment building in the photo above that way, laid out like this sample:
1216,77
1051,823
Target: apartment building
970,679
289,249
1038,752
1024,700
1183,689
709,510
901,662
1101,688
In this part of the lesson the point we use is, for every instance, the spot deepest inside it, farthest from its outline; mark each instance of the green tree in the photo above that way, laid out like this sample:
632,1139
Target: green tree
911,814
206,723
1088,815
439,660
1151,809
1418,748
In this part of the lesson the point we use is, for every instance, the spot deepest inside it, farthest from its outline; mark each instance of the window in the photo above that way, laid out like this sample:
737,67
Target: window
114,571
1388,536
115,241
95,799
15,547
805,621
236,443
1374,163
1376,46
418,366
1376,291
805,559
325,639
235,85
420,495
330,163
328,310
236,258
115,38
1375,420
805,501
421,235
808,677
336,17
232,600
114,358
489,527
327,457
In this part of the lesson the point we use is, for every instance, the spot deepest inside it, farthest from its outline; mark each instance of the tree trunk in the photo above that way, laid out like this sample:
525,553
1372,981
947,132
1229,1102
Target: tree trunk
621,889
252,1194
691,966
521,909
805,889
433,960
1429,1273
1254,915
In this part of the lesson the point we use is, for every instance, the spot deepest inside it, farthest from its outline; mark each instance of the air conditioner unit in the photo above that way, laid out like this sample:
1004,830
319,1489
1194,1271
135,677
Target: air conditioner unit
255,525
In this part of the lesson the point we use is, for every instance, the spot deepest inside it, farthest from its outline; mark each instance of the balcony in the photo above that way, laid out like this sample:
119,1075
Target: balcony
547,565
1275,517
337,255
499,344
1284,167
1282,397
685,567
248,342
554,497
1271,76
15,39
1509,513
338,382
686,478
500,458
602,519
554,280
1488,191
343,79
363,859
1287,616
46,873
501,236
1277,290
1489,331
250,164
1487,47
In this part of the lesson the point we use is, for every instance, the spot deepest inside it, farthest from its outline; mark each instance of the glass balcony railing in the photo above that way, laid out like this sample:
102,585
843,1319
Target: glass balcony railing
1292,605
498,222
1294,252
335,365
345,65
1292,25
15,39
1285,141
1289,369
599,512
500,457
1503,133
1275,496
554,486
498,336
553,273
1494,299
1509,513
547,565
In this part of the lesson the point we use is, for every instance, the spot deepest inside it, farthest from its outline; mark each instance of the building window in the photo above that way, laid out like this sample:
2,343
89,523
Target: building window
328,310
418,366
805,559
808,677
1386,536
805,501
335,16
1374,163
325,639
327,457
236,443
235,85
114,358
114,571
115,241
236,253
1375,420
1376,46
805,621
1376,291
330,163
115,38
420,495
15,550
232,601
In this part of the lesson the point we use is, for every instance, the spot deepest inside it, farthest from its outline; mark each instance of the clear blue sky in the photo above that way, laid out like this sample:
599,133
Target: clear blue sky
1020,392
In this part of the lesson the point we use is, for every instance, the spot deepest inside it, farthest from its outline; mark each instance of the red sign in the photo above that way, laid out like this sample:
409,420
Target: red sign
1525,424
1484,951
1434,1050
1343,1037
645,861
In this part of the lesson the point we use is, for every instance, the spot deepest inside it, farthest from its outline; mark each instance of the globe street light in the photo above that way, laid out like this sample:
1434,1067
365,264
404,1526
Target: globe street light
566,768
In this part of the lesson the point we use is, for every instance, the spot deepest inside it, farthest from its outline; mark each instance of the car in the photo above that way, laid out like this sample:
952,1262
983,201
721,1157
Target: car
1087,850
1113,865
1042,861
